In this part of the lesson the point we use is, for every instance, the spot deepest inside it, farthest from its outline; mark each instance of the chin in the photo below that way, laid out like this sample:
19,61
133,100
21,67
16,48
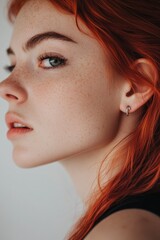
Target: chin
24,159
23,163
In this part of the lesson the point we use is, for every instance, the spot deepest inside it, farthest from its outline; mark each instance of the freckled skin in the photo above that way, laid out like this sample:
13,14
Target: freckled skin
76,110
73,108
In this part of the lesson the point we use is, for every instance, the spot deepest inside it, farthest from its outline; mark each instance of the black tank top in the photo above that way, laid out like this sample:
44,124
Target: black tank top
149,201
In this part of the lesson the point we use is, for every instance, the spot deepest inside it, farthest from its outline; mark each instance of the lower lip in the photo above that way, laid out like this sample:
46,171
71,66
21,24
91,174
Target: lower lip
16,132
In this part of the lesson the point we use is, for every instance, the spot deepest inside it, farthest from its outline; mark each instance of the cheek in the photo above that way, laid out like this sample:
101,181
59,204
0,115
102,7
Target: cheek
76,108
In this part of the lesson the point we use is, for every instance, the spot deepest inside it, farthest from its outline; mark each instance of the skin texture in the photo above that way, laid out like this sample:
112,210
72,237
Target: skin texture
76,110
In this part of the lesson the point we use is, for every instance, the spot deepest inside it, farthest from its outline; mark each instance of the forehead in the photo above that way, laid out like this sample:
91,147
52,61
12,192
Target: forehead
41,16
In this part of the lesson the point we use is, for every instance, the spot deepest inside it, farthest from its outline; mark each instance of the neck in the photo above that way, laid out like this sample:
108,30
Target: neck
83,169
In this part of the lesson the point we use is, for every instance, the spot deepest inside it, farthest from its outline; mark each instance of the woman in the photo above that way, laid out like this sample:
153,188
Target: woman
84,90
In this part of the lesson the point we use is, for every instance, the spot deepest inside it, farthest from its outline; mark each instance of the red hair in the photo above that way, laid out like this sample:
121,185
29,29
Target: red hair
128,31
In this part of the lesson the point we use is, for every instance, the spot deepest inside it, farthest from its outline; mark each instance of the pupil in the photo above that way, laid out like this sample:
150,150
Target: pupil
54,61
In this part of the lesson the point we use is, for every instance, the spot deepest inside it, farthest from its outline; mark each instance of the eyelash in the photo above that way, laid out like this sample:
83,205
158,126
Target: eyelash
9,68
41,58
46,56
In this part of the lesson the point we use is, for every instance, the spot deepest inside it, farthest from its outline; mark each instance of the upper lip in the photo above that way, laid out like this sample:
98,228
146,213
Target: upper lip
12,118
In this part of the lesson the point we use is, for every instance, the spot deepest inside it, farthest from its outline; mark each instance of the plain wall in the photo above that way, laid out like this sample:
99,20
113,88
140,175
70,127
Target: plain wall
35,204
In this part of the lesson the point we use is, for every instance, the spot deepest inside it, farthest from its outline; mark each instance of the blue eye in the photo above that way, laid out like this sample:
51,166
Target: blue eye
48,61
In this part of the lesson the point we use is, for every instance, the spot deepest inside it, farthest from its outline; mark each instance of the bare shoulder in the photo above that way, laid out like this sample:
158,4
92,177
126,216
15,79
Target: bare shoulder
128,224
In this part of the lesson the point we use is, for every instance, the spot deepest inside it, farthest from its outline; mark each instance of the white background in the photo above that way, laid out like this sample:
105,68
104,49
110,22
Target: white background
35,204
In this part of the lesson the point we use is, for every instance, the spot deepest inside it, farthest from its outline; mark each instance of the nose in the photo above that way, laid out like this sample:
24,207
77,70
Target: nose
12,91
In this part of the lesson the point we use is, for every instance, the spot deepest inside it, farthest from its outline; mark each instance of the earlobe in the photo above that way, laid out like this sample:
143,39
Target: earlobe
137,96
137,100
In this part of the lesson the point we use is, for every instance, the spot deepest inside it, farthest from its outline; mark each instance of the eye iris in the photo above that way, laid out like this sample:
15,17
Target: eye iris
54,61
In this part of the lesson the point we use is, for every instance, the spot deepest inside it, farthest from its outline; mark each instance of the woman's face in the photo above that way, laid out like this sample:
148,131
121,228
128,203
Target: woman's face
62,86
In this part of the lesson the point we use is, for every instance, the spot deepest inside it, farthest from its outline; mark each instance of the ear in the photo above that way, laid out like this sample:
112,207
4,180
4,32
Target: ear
136,97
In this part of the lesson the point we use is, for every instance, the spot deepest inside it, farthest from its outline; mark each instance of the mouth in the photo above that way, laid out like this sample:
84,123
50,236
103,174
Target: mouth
17,126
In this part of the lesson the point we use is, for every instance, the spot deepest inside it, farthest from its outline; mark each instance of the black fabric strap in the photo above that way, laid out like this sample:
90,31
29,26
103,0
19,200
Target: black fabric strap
146,201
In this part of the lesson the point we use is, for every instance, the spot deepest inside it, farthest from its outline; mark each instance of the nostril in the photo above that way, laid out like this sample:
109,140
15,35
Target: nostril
11,96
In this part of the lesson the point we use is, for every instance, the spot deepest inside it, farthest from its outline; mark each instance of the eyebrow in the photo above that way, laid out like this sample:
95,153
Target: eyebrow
38,38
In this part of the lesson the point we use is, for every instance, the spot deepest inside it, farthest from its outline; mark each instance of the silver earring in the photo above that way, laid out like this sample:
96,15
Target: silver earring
128,108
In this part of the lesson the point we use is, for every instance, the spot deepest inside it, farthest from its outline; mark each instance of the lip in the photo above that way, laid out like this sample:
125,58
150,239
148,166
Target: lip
12,118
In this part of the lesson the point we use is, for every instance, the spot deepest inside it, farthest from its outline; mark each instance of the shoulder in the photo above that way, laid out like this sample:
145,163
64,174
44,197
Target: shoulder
132,224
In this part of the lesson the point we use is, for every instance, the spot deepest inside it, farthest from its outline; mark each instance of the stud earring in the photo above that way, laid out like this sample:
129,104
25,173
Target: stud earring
128,108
